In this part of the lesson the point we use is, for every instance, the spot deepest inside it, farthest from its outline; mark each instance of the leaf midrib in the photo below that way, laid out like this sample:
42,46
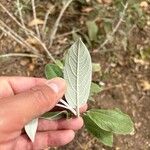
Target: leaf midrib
77,94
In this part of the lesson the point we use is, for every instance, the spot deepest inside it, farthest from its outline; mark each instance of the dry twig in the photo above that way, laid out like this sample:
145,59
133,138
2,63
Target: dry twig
14,19
35,17
19,54
46,18
29,32
69,33
116,27
17,37
55,28
21,16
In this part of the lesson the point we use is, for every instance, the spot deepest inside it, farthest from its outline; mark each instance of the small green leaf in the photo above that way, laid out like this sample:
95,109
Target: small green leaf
145,54
112,120
75,36
104,136
55,115
96,67
59,64
92,30
31,128
95,88
52,71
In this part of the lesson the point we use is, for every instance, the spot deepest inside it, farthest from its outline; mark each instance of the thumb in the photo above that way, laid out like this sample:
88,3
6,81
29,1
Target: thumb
23,107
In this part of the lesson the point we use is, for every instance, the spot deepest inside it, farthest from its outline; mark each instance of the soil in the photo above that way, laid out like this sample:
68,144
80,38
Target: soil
122,75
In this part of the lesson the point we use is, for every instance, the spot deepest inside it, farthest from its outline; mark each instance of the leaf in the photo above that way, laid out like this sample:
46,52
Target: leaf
75,36
95,88
92,30
112,120
96,67
60,64
145,54
31,128
78,74
55,115
104,136
107,25
52,71
35,22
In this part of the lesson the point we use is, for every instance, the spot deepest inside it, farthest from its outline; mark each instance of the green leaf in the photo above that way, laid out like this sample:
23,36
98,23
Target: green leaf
145,54
59,64
75,36
52,71
55,115
104,136
96,67
92,30
95,88
31,128
78,74
112,120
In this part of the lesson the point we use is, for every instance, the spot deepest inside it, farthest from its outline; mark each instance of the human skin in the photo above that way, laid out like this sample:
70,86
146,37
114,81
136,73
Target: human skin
25,98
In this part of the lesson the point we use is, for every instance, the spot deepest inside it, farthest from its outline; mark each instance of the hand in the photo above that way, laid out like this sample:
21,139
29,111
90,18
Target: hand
23,99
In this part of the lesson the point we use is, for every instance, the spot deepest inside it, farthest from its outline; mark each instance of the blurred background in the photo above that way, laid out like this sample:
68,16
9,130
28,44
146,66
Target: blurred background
117,34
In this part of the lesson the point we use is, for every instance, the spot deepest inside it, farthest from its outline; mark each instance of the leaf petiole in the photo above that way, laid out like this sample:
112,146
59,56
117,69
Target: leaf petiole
66,106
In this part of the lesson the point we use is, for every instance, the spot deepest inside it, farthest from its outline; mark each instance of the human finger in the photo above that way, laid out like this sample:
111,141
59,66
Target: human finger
29,105
62,124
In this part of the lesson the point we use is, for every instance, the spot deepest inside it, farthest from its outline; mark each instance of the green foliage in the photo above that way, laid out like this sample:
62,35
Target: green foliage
96,67
113,121
95,89
52,71
78,74
104,136
92,30
103,123
145,54
60,64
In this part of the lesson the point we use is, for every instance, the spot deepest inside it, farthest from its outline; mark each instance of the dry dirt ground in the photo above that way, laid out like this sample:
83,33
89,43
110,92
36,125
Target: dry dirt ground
125,74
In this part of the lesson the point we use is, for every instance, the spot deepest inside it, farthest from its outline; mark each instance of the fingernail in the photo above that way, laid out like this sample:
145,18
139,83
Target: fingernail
56,84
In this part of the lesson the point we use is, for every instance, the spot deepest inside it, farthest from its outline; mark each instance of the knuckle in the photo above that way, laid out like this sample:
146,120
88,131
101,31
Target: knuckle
40,96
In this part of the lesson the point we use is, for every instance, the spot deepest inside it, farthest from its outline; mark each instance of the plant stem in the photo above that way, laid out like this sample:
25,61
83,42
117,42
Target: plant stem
29,32
19,54
35,17
116,27
67,105
21,16
55,28
17,37
63,106
45,20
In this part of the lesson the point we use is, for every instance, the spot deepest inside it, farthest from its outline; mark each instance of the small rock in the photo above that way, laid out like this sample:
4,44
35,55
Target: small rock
148,23
144,5
99,1
87,9
107,1
31,67
24,62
